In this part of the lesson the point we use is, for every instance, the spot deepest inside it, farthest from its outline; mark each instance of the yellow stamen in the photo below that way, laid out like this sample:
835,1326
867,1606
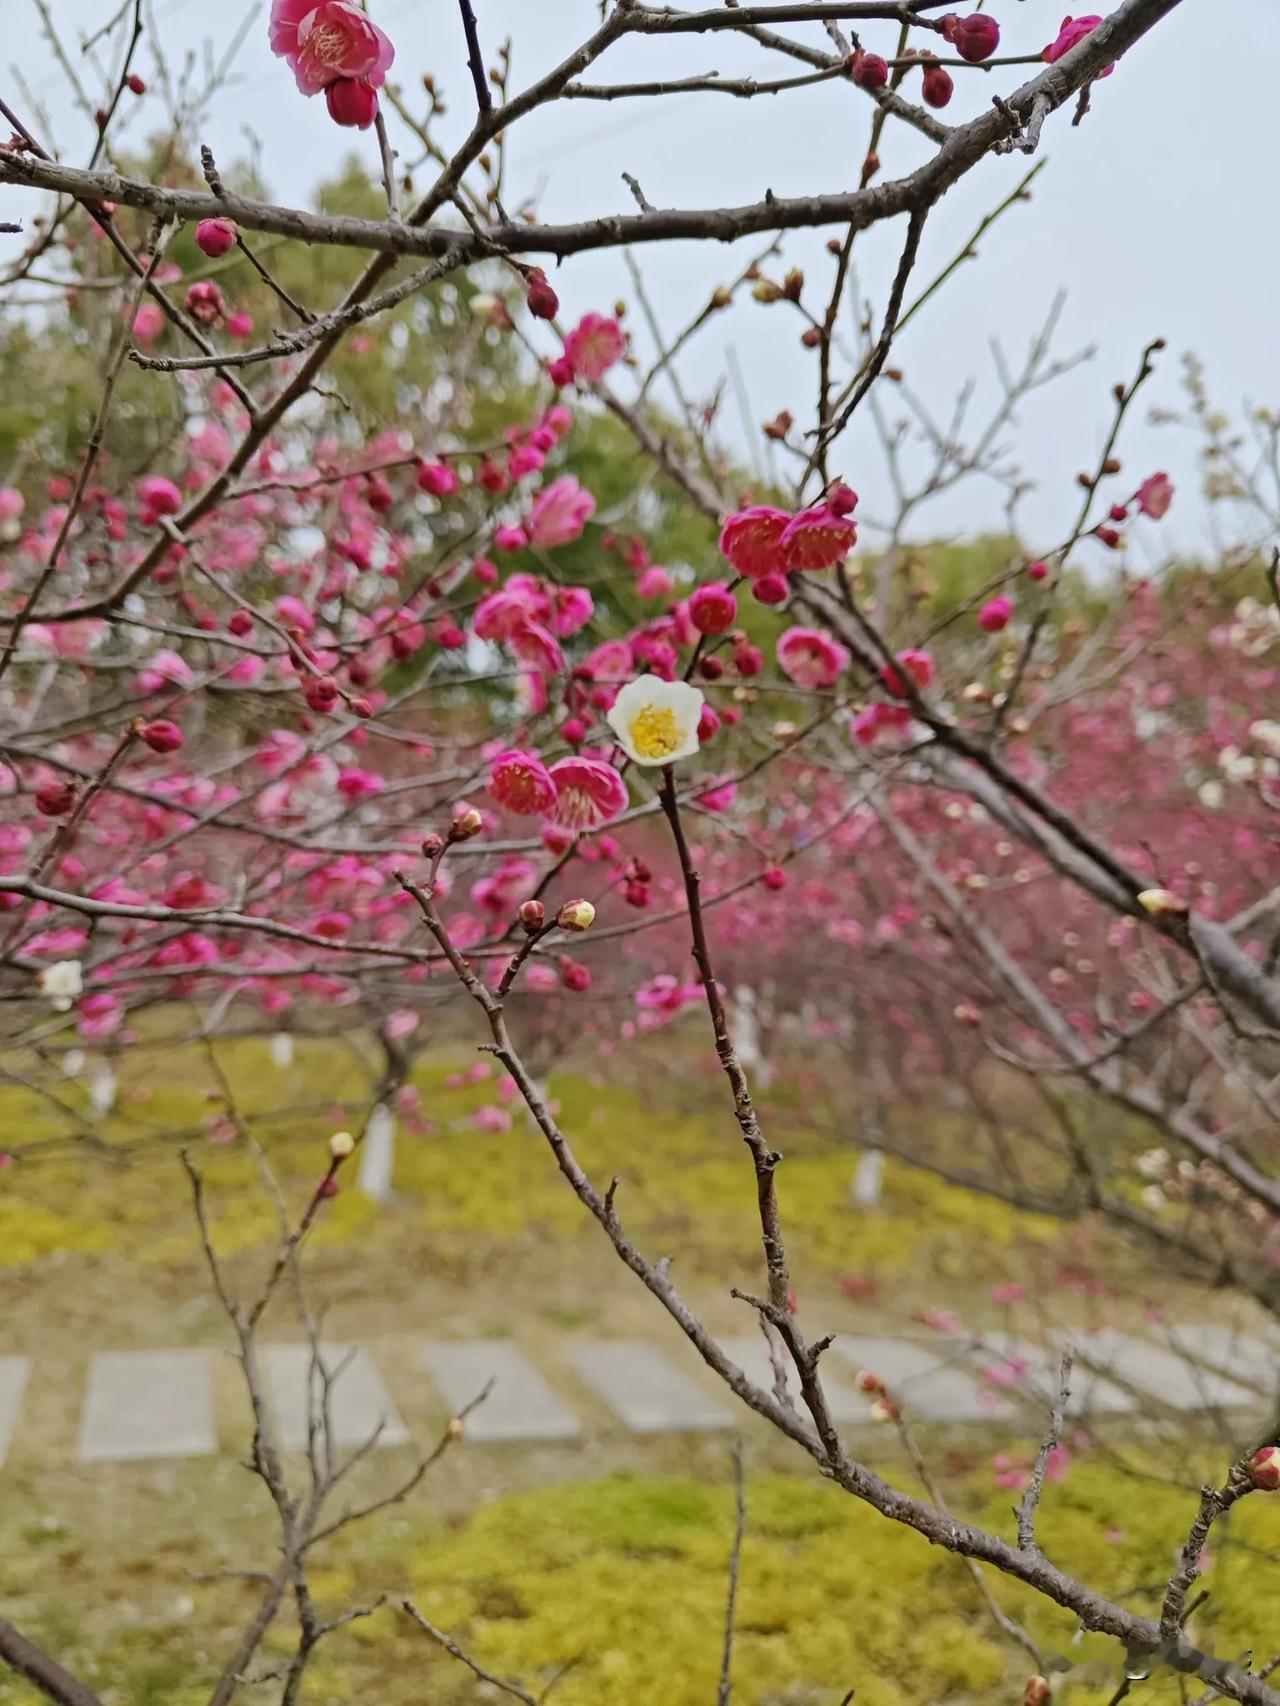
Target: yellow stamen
653,731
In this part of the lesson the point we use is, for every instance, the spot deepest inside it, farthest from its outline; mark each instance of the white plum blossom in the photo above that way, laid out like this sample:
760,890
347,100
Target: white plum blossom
61,982
656,721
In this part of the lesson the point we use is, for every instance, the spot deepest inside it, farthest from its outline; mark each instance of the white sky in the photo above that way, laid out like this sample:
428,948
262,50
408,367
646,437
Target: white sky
1156,215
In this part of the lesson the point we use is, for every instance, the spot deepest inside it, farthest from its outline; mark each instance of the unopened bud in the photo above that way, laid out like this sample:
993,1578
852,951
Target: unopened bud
811,337
721,297
767,291
466,824
432,845
341,1145
542,300
1035,1692
1263,1468
576,915
454,1430
867,1381
965,1013
532,915
793,284
1111,465
329,1186
1161,903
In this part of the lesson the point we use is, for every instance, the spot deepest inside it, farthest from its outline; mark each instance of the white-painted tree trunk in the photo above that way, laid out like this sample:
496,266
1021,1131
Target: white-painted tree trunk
102,1091
377,1154
868,1180
746,1035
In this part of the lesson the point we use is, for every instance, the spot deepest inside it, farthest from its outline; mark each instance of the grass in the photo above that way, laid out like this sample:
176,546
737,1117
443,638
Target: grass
622,1580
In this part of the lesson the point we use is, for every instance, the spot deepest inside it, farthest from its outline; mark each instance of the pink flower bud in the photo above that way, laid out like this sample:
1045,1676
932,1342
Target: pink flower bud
574,731
869,71
352,102
240,622
1109,537
842,500
937,87
135,84
204,302
55,799
437,478
774,878
748,660
916,664
576,915
560,371
574,976
770,589
543,303
432,845
708,724
466,824
161,735
994,615
532,914
328,1187
1037,571
1263,1468
713,609
216,236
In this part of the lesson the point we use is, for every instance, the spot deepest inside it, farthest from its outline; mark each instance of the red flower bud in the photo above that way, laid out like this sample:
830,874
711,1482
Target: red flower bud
1037,571
770,589
161,735
975,38
240,622
135,84
574,976
216,237
937,87
869,71
842,499
1263,1468
774,878
542,301
713,609
55,799
710,669
1036,1692
432,845
352,102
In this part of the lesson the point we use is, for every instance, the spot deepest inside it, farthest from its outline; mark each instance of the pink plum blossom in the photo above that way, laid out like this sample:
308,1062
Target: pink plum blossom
328,41
521,782
589,792
811,658
559,513
593,346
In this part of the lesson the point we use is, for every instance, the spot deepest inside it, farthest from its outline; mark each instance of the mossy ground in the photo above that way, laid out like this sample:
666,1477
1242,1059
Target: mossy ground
551,1557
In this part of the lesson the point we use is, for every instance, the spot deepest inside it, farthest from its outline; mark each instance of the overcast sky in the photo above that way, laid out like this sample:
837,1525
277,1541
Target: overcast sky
1157,215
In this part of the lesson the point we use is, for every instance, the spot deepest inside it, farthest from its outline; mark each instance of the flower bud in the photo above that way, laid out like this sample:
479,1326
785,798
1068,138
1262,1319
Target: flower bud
793,284
341,1145
765,290
1263,1468
161,735
1037,571
576,915
55,799
937,87
721,297
867,1381
994,615
975,38
542,301
574,976
352,102
466,824
455,1428
841,499
1109,537
1161,903
710,668
135,84
713,609
770,589
532,915
204,302
240,622
869,71
1035,1692
329,1186
811,337
774,878
215,237
964,1013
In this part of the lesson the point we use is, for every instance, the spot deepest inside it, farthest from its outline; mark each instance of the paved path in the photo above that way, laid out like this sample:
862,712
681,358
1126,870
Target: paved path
160,1403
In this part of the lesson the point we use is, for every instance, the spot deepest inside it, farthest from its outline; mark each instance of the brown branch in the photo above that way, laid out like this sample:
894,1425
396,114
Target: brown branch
456,1652
725,1690
475,59
41,1671
1035,1486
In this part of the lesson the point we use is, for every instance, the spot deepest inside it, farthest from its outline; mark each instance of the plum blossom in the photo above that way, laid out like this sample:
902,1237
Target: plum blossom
327,42
1073,30
817,538
751,540
588,792
811,658
593,346
1154,496
656,721
521,782
61,983
559,513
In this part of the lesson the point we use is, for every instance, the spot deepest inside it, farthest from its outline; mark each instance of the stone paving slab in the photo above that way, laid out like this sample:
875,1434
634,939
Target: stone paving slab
844,1401
928,1387
1091,1394
521,1405
1161,1372
147,1404
358,1400
14,1373
1250,1361
646,1392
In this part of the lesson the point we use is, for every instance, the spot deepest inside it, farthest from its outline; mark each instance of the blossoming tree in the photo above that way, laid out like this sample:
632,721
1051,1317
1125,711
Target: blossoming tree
298,712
